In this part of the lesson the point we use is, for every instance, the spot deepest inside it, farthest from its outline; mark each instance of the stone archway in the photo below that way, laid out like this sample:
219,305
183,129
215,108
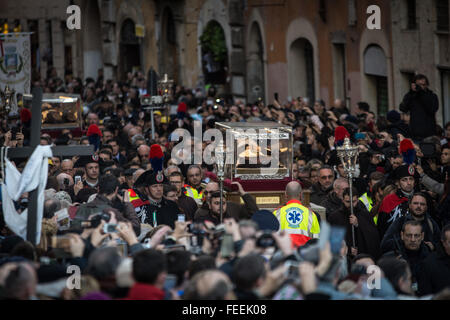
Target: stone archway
378,42
129,48
301,70
376,77
217,11
307,48
255,65
214,54
169,49
92,41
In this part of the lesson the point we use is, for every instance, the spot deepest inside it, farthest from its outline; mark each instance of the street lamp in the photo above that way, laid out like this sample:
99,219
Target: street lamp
159,101
164,87
220,162
7,99
348,154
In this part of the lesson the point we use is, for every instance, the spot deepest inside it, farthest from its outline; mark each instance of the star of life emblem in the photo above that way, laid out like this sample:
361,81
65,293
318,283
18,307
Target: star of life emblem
294,217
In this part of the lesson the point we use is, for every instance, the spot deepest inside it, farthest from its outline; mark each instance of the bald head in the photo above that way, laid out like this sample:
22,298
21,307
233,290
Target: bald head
294,190
209,285
143,151
339,186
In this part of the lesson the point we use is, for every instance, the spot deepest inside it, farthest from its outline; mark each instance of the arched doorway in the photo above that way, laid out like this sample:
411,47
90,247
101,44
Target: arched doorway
301,70
214,54
375,72
92,41
130,49
169,46
255,65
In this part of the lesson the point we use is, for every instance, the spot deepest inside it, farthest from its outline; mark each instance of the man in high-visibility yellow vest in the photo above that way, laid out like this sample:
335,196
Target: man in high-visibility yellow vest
299,221
194,187
366,198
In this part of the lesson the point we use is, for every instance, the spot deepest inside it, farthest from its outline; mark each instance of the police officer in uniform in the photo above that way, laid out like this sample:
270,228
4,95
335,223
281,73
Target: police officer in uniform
151,208
395,205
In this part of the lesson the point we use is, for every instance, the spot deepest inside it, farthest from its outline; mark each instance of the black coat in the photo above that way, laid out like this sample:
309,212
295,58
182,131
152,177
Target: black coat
332,204
366,234
435,274
318,196
415,258
392,240
166,213
422,106
234,210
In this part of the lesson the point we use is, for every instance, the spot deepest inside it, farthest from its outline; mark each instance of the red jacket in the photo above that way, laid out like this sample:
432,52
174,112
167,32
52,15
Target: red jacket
143,291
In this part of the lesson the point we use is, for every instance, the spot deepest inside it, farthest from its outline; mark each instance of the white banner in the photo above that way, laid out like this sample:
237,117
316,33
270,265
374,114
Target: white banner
15,62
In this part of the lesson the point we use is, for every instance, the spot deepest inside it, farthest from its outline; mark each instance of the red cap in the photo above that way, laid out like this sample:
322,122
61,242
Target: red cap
155,151
94,129
182,107
25,115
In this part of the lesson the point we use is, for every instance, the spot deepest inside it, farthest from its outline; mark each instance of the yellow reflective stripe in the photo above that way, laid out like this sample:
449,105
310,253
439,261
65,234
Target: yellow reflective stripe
375,219
190,193
315,228
310,220
365,200
277,213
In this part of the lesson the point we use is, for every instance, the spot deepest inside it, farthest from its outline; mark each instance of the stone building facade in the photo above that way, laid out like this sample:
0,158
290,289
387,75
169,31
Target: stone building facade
309,48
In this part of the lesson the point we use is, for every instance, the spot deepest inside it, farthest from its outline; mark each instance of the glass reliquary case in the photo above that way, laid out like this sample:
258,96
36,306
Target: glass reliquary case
59,110
257,150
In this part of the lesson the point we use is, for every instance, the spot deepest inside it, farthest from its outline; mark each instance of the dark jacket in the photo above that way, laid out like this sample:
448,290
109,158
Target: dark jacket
234,210
391,208
422,106
398,127
366,234
318,196
392,238
332,203
188,206
166,212
415,258
435,275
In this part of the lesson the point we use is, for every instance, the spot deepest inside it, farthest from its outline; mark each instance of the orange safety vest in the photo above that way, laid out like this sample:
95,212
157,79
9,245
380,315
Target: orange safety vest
300,222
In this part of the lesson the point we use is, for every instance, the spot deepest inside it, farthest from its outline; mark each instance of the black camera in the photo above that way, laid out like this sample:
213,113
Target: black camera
96,220
266,240
14,131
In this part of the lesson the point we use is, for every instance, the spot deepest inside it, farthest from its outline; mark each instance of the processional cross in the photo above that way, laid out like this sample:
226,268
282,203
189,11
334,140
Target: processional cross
25,152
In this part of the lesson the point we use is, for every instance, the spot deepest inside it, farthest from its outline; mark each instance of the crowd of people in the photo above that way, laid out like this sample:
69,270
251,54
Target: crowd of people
140,226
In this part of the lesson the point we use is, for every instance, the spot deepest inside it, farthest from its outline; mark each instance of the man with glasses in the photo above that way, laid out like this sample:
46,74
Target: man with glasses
417,211
411,247
324,186
193,188
187,205
67,167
